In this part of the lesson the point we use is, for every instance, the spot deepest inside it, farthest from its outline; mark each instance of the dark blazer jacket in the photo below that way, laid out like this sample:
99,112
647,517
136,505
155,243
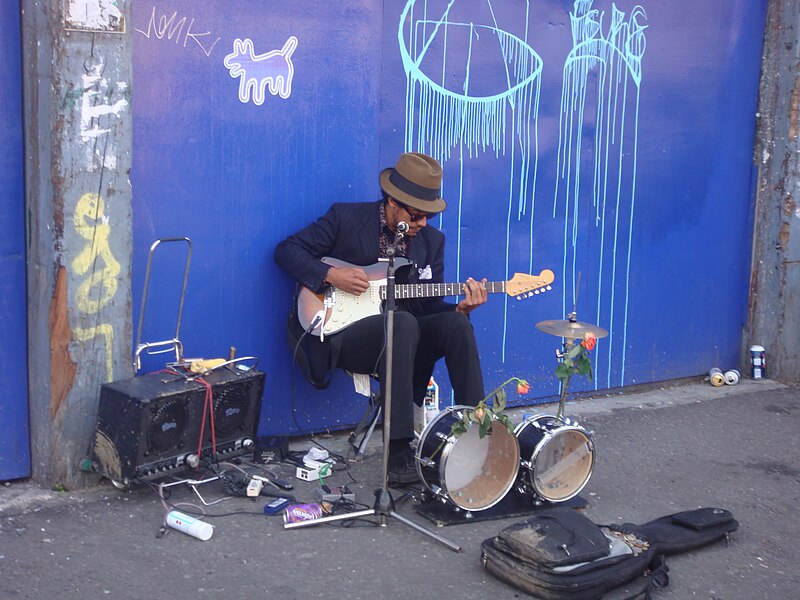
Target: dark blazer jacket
350,232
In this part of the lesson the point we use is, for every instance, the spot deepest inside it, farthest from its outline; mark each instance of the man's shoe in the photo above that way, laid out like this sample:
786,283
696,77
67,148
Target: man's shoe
402,468
403,475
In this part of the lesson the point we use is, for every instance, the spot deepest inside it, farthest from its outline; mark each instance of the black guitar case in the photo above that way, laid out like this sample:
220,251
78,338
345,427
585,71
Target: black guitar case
560,554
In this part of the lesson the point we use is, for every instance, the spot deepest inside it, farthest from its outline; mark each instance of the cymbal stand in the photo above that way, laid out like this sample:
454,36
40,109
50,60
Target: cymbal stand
384,503
567,346
560,354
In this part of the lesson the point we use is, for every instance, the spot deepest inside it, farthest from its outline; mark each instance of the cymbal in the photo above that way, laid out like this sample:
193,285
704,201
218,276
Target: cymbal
570,329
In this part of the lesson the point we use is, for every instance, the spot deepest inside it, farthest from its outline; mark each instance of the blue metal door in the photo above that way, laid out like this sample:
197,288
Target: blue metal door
15,459
607,140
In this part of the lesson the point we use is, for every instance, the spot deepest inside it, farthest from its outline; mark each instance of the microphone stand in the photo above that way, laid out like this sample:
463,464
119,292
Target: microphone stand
384,503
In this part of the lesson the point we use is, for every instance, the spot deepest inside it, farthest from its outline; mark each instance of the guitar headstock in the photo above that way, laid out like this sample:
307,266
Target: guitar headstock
522,285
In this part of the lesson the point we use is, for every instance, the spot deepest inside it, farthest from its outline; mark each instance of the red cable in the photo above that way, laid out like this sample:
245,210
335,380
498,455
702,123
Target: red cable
202,425
208,408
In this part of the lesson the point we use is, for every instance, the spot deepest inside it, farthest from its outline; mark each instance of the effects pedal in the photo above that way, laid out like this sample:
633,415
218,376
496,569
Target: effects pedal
314,470
306,474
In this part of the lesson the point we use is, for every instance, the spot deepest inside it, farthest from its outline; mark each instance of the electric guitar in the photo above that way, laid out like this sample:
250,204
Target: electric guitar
333,309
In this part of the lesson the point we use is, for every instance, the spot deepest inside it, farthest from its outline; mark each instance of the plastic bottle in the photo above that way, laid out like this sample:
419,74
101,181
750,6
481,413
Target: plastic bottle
758,362
190,525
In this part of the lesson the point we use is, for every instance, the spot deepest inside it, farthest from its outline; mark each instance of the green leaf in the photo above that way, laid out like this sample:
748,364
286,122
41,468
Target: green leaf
562,371
585,367
458,428
500,399
485,426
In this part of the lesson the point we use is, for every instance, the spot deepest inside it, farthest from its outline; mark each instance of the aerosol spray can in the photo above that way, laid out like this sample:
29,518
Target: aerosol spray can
732,377
758,362
716,378
302,512
189,525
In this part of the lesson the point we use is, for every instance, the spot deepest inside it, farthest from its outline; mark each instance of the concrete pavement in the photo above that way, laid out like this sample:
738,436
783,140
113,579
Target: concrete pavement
660,451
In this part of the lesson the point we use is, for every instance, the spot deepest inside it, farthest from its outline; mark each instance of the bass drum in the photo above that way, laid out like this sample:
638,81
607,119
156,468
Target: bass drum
473,473
557,457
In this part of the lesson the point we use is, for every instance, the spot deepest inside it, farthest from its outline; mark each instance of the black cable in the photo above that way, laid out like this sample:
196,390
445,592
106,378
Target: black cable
293,409
182,507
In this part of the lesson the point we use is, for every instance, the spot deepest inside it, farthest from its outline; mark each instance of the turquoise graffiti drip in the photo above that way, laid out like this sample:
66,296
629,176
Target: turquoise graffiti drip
446,121
600,107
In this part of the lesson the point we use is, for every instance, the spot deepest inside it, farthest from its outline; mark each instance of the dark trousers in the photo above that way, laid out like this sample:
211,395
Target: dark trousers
418,343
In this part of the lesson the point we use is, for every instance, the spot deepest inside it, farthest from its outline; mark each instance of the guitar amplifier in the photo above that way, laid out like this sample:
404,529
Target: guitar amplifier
149,426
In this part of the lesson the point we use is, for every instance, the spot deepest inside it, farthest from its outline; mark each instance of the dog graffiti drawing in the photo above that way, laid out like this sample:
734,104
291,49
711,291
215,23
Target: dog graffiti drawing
273,70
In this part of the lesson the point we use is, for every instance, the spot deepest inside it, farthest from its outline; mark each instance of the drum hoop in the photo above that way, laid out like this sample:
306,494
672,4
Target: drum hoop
528,421
540,446
448,446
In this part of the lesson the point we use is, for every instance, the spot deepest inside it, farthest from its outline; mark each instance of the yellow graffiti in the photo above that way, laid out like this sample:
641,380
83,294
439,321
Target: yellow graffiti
107,332
91,223
100,286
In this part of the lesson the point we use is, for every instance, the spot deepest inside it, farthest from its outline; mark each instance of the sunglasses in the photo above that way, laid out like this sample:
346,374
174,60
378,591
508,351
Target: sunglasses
416,215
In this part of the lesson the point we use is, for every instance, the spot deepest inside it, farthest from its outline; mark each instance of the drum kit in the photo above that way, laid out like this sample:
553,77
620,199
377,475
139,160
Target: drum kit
547,459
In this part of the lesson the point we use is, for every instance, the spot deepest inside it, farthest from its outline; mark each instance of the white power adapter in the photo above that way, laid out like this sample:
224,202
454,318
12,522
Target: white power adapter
254,488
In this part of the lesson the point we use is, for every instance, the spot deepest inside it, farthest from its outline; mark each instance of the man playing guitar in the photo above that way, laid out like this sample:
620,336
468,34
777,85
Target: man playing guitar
425,329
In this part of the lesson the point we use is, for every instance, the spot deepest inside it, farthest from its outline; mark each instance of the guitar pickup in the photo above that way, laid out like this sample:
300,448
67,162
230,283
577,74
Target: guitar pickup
330,298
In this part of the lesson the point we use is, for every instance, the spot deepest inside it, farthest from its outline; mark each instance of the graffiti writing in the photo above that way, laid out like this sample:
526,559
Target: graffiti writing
104,331
595,189
449,114
96,102
91,223
177,29
100,284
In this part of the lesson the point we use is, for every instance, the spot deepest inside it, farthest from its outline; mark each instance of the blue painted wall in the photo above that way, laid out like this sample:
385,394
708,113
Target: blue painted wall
15,461
608,142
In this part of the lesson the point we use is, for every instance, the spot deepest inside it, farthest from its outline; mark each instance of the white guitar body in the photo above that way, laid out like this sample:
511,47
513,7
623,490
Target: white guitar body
346,308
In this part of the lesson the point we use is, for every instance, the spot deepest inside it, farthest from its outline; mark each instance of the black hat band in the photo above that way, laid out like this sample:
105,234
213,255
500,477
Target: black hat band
411,188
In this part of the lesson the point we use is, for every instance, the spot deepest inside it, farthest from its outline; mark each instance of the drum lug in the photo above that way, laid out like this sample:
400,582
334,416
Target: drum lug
437,492
443,436
426,462
525,463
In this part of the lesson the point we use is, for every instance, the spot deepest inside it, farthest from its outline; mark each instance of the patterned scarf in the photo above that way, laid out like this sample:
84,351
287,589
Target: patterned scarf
387,237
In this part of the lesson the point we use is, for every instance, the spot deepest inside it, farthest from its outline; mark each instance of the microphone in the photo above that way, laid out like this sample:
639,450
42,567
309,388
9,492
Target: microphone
401,227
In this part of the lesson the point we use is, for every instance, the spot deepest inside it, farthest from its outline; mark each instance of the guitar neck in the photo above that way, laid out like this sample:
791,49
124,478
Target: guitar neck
434,290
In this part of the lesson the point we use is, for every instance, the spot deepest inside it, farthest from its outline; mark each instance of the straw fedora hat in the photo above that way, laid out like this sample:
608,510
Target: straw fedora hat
415,180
